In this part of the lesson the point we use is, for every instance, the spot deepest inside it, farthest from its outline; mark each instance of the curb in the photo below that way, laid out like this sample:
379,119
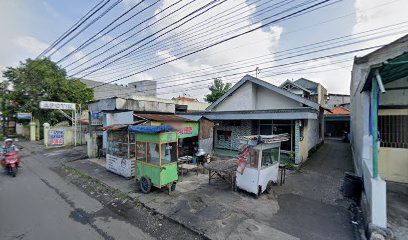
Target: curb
144,205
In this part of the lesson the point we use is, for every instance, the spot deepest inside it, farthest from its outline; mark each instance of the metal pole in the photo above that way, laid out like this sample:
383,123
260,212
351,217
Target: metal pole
80,124
75,128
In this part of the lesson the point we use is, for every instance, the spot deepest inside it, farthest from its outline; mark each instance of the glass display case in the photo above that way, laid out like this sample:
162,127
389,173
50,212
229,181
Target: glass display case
156,160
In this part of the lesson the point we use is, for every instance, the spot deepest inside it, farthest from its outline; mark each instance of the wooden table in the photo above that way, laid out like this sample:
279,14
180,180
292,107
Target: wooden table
224,169
185,164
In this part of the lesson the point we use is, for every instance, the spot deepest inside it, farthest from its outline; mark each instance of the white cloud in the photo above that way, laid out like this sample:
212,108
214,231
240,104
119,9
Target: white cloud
391,12
30,44
257,43
78,55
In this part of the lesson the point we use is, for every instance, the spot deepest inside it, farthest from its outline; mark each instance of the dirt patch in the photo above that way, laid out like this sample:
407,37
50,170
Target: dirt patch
125,208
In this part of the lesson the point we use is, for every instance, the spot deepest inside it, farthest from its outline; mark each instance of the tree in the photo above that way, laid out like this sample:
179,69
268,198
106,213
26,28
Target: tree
41,80
218,88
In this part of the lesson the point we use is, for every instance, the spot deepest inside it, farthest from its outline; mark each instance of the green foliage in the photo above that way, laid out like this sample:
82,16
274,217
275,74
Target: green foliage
41,80
218,88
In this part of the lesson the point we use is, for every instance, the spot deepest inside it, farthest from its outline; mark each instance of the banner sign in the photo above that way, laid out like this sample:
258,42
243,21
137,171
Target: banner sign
55,137
23,115
122,166
96,118
57,105
185,129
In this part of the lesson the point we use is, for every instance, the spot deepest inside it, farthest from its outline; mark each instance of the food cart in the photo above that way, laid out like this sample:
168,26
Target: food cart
258,163
120,153
156,157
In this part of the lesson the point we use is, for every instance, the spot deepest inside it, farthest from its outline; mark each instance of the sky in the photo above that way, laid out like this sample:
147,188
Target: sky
30,26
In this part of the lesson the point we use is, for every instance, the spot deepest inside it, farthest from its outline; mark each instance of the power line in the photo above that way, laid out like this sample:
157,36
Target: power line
133,51
208,46
203,9
309,46
294,71
222,41
285,33
197,28
277,66
178,9
93,39
87,26
134,34
81,21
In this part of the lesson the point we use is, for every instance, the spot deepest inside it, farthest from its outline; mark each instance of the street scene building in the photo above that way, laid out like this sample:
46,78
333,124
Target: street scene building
215,120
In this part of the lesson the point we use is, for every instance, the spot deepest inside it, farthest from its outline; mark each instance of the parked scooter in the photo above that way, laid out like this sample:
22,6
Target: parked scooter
11,163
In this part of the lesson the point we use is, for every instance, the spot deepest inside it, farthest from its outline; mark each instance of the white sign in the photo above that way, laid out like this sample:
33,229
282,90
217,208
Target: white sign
122,166
23,115
57,105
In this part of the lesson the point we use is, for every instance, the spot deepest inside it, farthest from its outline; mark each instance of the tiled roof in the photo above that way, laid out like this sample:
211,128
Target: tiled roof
186,99
339,111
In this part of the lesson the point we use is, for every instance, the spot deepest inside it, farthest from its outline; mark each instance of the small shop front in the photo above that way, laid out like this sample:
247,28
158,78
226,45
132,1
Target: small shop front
188,131
120,151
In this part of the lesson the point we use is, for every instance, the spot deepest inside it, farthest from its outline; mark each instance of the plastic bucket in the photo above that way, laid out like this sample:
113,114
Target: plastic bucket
352,186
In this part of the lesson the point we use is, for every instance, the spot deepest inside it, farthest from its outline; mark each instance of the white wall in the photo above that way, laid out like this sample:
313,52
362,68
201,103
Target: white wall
266,99
310,138
375,189
251,97
395,97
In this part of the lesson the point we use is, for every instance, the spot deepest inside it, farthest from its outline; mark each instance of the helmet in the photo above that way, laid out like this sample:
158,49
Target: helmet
8,140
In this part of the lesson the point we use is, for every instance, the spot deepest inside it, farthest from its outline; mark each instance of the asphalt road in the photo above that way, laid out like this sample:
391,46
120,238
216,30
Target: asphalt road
40,204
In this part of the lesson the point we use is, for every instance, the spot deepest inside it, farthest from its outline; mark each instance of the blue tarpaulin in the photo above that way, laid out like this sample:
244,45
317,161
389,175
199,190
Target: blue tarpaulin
150,129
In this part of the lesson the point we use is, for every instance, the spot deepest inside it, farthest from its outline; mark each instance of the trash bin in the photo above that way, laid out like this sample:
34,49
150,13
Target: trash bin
352,186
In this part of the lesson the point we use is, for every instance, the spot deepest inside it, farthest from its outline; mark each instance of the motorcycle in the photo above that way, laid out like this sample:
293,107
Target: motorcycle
11,163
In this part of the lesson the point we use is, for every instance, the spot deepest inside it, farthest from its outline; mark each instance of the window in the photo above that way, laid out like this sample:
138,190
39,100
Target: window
393,131
270,156
141,151
253,158
153,153
169,152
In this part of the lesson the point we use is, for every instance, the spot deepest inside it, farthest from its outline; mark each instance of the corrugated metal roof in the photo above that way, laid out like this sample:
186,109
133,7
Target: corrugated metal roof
162,118
194,118
116,127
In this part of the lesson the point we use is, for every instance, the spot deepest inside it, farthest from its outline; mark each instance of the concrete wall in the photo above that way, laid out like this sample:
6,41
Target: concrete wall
395,97
145,87
251,97
393,164
23,130
335,100
266,99
310,138
191,106
375,188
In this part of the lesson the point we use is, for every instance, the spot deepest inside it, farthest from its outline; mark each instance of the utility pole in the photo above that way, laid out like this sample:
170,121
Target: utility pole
3,108
257,71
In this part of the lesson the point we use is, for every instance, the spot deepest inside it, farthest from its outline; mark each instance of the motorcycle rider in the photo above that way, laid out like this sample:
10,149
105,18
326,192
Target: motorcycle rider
10,147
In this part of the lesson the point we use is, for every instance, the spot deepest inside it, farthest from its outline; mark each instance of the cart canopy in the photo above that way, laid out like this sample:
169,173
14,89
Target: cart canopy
150,129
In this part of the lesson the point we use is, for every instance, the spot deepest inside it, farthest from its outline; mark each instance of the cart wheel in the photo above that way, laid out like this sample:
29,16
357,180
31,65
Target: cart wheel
145,184
259,192
173,186
269,187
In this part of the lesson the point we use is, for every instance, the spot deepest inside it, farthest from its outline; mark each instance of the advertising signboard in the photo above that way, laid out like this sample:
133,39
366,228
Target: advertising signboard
55,137
122,166
96,118
185,129
57,105
24,115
